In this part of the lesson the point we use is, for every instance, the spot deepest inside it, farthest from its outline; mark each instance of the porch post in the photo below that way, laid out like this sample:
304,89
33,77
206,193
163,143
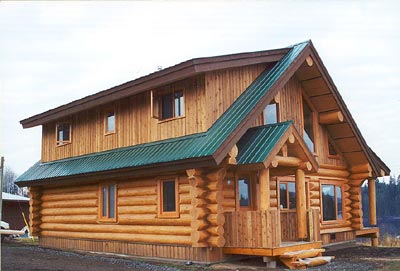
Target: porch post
301,208
264,189
372,202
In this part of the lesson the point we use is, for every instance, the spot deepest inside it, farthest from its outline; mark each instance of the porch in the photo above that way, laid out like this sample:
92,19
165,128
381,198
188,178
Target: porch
269,233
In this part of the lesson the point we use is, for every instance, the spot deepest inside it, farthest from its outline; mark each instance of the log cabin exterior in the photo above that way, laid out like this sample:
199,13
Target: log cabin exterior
252,153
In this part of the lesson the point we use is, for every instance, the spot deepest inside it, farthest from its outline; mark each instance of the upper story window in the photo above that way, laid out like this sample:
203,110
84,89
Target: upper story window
168,192
308,132
271,114
244,192
108,202
109,121
172,105
63,131
332,153
332,204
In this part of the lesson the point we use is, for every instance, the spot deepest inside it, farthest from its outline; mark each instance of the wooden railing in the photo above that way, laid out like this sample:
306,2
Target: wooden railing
255,229
289,225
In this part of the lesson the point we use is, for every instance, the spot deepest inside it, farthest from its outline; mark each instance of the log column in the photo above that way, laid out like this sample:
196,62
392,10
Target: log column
301,208
372,209
264,189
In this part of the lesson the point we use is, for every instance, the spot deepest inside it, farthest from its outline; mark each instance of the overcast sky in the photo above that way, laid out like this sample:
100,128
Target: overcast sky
54,53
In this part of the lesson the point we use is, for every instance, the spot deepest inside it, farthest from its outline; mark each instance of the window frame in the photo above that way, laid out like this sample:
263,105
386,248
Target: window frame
276,112
161,212
306,100
334,184
157,104
105,117
60,143
328,141
107,218
287,182
249,177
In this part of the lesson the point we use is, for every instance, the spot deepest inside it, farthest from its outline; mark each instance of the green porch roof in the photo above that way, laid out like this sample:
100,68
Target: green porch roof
258,142
201,145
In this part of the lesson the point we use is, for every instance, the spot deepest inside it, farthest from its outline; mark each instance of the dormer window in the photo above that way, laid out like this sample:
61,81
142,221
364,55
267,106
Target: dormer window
271,114
63,131
172,105
109,121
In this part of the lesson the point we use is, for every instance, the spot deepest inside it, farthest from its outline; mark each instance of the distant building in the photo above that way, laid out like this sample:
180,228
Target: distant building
13,207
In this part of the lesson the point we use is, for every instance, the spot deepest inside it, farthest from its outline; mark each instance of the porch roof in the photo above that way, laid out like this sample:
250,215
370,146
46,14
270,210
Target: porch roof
258,142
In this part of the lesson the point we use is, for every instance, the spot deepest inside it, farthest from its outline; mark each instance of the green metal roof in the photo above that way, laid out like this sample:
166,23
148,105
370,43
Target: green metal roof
257,143
170,150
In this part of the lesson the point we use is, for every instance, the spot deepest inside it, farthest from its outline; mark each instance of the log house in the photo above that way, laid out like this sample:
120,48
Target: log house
252,154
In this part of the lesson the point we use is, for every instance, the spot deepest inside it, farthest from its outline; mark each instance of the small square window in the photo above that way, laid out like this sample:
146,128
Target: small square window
63,131
172,105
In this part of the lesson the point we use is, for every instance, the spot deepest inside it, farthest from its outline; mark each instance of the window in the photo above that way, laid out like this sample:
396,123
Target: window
332,204
108,199
244,191
109,122
172,105
332,153
287,195
63,133
168,191
271,113
308,133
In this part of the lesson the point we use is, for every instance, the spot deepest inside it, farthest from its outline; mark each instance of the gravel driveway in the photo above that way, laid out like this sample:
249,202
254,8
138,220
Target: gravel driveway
19,256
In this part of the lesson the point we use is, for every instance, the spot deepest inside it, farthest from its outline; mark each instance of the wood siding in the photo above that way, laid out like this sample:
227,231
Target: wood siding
186,253
206,98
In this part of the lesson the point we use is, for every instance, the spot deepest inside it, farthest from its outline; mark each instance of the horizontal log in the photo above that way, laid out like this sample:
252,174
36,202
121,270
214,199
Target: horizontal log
199,213
290,162
193,172
360,176
199,224
216,219
145,238
229,203
331,117
71,189
145,209
197,181
314,195
355,197
185,208
127,220
218,174
184,188
198,193
216,241
71,219
355,213
272,185
216,230
347,216
70,211
215,197
112,228
35,202
215,186
71,203
314,202
229,193
185,199
360,168
333,173
215,208
71,196
273,202
356,220
198,203
137,183
356,205
199,236
138,200
330,166
137,191
314,186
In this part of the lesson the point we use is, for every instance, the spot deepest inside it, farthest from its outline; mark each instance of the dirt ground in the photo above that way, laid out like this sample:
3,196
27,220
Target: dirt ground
24,256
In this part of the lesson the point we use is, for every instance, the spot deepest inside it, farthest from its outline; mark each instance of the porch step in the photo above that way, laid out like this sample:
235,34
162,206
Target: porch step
303,258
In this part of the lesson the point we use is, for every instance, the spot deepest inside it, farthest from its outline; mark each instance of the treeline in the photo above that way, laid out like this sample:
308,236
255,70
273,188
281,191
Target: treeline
387,198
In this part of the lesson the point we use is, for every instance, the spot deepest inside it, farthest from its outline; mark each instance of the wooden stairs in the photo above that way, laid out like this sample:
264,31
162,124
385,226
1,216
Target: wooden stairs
303,258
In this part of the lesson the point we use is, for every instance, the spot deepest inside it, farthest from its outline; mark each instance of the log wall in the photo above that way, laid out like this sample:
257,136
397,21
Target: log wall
206,98
72,212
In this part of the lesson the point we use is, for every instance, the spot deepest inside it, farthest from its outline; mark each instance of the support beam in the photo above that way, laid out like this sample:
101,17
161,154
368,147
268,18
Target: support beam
372,202
332,117
290,162
301,208
264,190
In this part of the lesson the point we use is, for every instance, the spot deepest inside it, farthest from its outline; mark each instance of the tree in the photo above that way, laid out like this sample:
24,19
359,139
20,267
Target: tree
9,178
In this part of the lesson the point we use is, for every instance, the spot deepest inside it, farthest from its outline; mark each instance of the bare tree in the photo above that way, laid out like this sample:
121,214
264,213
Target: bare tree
9,178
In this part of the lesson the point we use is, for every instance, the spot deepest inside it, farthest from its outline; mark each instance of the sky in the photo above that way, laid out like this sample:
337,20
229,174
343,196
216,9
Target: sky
54,53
